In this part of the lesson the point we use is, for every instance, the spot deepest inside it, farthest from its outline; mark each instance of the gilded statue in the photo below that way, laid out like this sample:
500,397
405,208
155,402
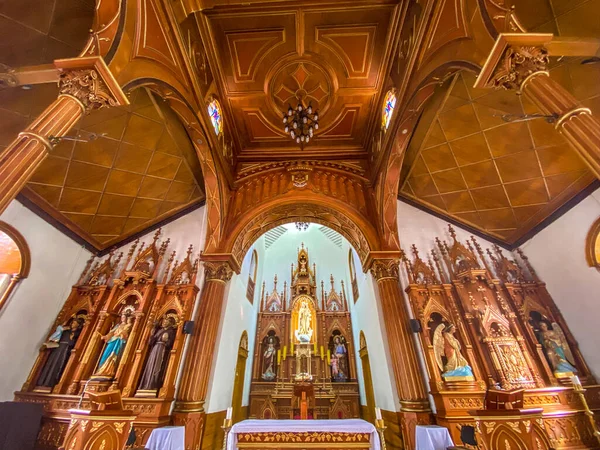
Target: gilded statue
115,339
556,348
304,331
446,349
161,343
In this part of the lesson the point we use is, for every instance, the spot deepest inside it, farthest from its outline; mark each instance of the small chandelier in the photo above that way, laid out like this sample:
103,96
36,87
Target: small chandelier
301,123
302,226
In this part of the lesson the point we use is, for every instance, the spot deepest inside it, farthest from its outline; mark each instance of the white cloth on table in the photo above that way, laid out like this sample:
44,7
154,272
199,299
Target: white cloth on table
166,438
433,437
298,426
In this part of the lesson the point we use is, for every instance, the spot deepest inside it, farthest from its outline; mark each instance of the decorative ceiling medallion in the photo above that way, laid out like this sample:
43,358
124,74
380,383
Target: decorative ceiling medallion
302,81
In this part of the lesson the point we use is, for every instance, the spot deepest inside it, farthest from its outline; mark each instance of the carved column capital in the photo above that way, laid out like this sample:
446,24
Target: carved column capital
518,64
218,271
385,268
87,87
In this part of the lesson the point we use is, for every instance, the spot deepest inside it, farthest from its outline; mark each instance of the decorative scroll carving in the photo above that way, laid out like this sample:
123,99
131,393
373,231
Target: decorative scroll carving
517,64
86,86
221,271
385,268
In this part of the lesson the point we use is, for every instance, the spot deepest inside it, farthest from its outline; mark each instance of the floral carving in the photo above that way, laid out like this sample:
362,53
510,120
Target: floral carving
385,268
517,64
218,271
87,87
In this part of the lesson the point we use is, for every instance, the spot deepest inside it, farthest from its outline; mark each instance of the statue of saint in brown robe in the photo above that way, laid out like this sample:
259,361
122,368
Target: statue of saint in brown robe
59,352
160,344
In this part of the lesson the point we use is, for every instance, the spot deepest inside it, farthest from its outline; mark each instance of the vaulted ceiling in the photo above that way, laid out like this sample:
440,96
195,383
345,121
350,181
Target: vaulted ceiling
332,55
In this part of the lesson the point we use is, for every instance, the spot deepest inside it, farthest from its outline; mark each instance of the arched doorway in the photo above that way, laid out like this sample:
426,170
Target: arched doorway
15,260
369,411
238,382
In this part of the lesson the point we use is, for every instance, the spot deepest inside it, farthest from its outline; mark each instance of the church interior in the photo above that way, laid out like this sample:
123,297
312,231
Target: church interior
258,224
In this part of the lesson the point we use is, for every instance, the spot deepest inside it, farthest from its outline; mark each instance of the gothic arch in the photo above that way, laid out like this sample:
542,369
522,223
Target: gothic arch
361,234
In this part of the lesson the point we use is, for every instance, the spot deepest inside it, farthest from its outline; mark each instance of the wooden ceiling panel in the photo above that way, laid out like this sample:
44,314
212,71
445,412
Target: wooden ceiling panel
494,173
119,171
268,56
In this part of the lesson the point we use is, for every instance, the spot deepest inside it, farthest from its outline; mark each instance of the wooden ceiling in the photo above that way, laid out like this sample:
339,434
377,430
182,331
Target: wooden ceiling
333,54
137,168
501,178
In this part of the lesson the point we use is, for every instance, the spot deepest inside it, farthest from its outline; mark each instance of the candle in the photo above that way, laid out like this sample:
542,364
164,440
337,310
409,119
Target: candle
284,351
322,352
378,413
575,380
229,413
328,356
278,357
315,347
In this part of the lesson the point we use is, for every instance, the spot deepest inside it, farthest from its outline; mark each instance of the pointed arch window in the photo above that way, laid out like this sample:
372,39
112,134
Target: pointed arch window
353,280
252,277
15,260
389,105
216,117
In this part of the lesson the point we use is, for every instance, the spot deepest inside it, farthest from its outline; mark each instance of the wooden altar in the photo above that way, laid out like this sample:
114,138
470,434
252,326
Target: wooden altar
307,340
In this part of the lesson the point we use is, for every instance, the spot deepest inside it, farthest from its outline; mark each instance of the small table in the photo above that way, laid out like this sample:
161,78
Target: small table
432,437
166,438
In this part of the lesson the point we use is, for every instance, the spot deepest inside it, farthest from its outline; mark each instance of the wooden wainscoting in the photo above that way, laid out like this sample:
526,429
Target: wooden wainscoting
393,436
213,433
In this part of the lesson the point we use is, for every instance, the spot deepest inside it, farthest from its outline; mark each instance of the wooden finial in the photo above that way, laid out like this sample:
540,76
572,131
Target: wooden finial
452,232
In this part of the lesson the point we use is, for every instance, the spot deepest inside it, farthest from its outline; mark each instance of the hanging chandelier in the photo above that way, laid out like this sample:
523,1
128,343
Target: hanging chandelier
301,123
302,226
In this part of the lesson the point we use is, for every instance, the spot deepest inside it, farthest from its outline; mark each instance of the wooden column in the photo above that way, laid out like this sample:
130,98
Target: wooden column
414,403
519,61
85,84
189,406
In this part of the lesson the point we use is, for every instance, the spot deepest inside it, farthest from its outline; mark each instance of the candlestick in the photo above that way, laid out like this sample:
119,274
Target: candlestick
578,388
380,425
227,424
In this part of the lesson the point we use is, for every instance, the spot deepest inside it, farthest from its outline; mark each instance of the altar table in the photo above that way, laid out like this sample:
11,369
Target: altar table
166,438
301,434
432,437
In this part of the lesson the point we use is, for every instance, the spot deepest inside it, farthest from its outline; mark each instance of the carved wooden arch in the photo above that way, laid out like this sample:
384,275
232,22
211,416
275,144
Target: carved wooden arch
214,186
592,245
25,264
359,232
408,118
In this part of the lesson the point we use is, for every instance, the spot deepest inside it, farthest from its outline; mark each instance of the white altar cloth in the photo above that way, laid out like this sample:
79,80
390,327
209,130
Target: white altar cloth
166,438
432,437
298,426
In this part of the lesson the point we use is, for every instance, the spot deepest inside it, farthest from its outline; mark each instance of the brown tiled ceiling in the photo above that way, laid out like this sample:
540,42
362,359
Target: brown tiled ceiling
137,168
46,30
502,178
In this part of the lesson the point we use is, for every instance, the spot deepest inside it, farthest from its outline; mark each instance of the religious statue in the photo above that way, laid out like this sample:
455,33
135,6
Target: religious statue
304,331
115,340
556,348
59,346
446,349
269,361
160,344
335,371
341,359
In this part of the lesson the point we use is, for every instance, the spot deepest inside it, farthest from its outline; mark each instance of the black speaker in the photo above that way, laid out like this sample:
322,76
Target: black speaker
188,327
415,326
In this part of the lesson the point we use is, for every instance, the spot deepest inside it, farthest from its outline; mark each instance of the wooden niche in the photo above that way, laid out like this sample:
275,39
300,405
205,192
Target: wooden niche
488,322
121,328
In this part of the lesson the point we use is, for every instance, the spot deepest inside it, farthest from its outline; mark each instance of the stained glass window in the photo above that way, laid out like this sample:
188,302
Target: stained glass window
388,108
214,111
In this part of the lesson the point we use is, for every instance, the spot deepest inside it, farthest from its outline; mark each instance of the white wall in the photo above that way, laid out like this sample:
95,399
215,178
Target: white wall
31,309
557,254
367,317
238,315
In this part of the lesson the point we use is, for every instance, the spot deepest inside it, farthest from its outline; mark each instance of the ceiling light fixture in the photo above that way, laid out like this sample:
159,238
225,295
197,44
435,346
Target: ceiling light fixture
302,226
301,123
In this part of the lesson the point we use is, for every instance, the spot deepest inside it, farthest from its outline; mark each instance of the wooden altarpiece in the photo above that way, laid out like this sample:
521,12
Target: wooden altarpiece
280,357
492,307
150,291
